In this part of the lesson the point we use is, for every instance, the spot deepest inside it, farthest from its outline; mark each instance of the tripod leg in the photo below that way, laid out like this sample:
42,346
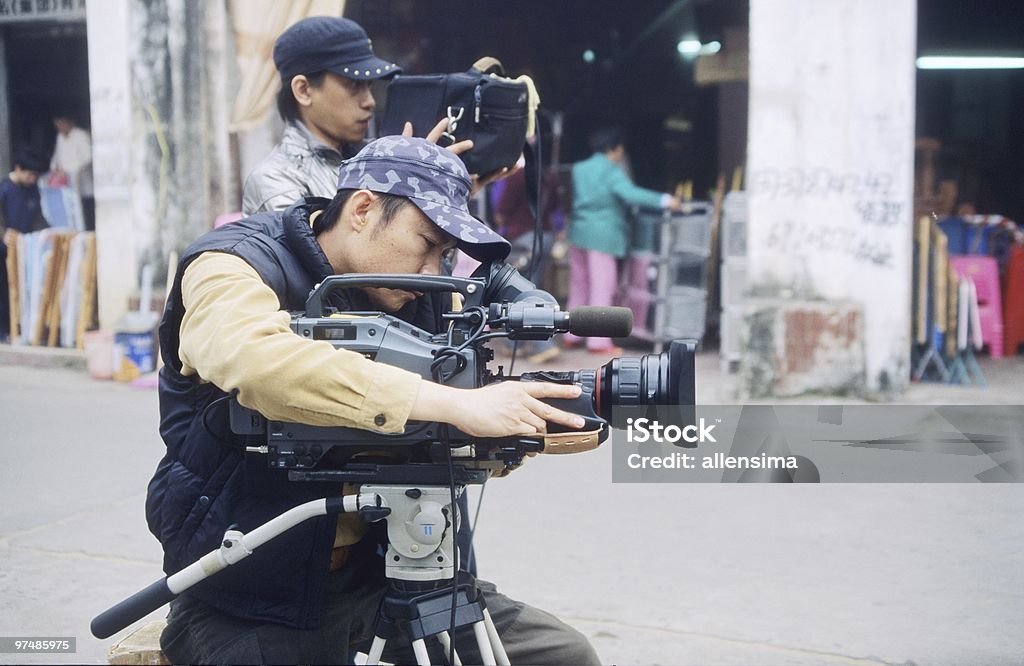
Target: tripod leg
446,643
492,633
376,650
419,648
483,642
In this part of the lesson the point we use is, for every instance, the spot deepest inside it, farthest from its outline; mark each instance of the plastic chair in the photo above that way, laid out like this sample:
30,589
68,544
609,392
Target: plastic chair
964,368
984,272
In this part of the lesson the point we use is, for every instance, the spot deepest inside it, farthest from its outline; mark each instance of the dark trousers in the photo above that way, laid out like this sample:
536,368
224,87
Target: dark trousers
199,634
5,307
89,213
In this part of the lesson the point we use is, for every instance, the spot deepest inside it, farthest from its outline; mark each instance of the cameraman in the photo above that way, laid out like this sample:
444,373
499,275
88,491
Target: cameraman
310,595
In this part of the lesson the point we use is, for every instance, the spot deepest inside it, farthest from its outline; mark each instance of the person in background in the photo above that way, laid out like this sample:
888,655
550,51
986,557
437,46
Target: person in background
598,231
20,212
515,221
71,164
326,65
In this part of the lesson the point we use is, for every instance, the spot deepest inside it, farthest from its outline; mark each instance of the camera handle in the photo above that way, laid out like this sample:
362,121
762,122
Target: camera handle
406,281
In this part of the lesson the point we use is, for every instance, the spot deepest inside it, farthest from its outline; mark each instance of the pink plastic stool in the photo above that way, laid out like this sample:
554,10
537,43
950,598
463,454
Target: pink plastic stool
637,268
984,271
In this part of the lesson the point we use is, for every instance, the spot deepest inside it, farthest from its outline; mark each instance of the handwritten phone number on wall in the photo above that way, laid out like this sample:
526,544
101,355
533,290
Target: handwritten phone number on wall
31,644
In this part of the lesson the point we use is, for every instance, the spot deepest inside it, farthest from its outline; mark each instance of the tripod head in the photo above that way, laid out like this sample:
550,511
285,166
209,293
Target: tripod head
421,525
426,596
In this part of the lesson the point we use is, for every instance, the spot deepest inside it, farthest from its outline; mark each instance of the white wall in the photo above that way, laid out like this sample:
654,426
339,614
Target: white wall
830,163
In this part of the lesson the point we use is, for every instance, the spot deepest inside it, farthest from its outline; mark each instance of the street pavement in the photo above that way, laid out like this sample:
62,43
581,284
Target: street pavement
652,573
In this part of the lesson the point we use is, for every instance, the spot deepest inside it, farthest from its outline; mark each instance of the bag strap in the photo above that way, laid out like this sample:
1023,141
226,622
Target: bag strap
534,174
534,196
489,65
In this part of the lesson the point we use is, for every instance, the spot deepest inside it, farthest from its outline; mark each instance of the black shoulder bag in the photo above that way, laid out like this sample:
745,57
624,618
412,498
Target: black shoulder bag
480,104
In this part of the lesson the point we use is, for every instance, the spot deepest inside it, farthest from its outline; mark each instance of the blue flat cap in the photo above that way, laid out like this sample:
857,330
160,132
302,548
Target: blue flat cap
329,43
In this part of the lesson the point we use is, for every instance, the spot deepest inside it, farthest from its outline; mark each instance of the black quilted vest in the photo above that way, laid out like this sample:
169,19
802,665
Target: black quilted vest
204,484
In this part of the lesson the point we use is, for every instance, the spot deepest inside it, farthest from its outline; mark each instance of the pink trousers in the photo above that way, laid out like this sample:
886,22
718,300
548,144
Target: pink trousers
593,279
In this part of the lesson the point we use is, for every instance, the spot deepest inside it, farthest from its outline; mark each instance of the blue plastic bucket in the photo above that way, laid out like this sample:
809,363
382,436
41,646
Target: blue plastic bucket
134,355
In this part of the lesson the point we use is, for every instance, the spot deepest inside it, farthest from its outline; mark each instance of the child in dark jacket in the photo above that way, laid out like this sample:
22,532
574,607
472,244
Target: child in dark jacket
20,212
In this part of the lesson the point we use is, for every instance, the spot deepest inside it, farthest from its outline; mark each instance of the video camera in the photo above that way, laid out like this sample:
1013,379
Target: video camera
498,302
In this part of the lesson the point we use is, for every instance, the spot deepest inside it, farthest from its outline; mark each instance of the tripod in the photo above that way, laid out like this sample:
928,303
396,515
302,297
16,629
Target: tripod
420,564
421,577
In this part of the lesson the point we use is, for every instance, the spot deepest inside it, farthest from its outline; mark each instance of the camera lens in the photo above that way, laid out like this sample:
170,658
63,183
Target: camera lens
653,379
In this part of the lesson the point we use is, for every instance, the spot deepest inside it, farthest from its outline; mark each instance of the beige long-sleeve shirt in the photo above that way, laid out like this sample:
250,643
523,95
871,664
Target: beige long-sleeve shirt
235,335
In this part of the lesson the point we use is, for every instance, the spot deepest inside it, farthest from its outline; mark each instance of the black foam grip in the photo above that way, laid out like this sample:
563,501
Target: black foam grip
137,606
605,322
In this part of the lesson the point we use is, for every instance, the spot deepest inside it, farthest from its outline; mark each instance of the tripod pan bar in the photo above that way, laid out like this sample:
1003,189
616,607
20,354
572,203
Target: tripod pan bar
235,547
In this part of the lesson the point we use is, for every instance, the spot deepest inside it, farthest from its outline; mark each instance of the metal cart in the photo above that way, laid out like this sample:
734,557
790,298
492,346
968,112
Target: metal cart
666,273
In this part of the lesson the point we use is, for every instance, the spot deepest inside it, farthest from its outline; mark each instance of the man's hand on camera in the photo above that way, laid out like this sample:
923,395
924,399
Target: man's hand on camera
502,409
459,147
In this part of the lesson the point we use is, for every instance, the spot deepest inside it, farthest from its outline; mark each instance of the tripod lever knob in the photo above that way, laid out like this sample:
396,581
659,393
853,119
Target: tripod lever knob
371,514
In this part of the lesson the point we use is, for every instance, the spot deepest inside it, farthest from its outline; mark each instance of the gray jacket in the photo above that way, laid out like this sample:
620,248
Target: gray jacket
300,166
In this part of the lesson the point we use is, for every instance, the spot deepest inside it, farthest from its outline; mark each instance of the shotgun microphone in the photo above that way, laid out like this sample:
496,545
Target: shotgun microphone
602,322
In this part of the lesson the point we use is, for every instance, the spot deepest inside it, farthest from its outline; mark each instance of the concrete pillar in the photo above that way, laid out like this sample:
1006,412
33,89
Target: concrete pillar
830,180
220,82
161,86
115,163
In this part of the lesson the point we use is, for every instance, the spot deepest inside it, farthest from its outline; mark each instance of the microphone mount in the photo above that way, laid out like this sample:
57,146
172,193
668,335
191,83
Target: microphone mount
528,320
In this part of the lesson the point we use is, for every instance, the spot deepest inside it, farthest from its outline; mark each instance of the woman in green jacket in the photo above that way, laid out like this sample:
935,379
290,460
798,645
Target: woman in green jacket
598,235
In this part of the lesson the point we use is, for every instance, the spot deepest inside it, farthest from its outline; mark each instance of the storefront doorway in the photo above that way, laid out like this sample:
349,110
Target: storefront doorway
46,72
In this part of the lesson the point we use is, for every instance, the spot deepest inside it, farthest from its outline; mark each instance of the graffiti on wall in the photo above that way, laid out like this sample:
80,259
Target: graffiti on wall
868,197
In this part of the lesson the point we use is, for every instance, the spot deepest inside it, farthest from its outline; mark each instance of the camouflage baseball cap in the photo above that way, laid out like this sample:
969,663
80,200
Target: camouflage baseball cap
431,177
